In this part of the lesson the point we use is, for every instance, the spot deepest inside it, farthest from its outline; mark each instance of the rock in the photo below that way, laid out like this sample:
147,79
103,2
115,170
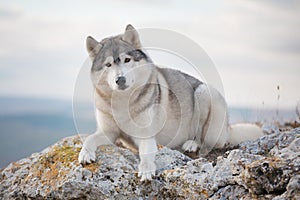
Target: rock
265,169
269,175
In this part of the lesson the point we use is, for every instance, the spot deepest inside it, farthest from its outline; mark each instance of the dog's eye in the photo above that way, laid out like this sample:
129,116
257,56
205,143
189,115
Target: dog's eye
108,65
127,60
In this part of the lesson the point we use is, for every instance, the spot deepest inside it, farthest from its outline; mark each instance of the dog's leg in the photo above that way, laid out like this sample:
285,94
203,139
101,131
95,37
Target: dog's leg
213,118
147,152
87,153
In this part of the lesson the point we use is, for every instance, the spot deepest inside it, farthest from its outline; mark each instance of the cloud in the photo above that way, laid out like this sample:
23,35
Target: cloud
271,25
11,13
38,56
43,42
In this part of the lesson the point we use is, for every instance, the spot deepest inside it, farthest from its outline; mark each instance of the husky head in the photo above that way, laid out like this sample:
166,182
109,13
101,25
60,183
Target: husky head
115,61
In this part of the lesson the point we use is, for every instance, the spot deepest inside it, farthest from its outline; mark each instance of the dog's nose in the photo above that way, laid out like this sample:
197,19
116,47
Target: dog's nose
120,80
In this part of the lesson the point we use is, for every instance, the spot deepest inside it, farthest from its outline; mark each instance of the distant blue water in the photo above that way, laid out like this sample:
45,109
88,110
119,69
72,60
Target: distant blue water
29,125
25,134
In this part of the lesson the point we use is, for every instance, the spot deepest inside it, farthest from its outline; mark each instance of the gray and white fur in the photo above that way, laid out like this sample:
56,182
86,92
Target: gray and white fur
148,105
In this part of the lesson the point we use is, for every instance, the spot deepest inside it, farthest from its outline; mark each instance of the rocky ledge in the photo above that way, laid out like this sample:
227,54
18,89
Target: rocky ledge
264,169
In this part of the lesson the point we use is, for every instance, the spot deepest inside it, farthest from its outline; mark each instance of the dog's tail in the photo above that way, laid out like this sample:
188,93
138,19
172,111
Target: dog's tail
238,133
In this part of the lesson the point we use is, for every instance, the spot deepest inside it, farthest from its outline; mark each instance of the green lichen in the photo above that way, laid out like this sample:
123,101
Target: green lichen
64,156
53,167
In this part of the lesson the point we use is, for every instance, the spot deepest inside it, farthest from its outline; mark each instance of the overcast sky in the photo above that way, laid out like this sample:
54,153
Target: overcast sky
255,45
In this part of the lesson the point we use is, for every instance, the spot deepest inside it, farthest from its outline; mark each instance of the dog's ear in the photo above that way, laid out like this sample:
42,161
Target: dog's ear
131,36
93,47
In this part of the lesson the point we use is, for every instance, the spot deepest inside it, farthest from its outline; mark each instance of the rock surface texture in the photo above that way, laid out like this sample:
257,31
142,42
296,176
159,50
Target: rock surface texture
264,169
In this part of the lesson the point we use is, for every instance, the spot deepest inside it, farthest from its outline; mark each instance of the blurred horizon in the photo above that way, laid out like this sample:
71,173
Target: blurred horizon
30,125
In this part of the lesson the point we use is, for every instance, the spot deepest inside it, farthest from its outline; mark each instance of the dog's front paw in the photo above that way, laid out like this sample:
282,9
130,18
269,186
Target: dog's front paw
86,156
146,170
190,146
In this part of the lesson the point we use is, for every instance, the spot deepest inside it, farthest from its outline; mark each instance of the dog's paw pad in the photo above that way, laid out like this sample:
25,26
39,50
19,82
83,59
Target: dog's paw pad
86,156
146,171
190,146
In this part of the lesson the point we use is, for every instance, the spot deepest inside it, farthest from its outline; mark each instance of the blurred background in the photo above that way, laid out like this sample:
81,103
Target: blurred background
254,44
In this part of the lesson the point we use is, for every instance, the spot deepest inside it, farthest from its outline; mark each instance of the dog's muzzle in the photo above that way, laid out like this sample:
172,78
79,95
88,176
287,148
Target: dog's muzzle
121,81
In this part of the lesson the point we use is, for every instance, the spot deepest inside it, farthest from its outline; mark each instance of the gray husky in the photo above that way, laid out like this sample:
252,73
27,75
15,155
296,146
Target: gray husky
146,105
